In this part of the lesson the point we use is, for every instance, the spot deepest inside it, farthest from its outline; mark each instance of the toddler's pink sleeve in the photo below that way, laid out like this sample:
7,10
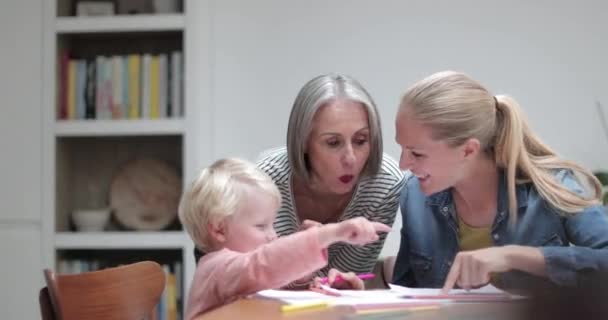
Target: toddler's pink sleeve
226,275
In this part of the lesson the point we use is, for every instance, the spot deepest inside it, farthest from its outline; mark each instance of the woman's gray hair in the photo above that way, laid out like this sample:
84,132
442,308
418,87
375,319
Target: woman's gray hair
316,93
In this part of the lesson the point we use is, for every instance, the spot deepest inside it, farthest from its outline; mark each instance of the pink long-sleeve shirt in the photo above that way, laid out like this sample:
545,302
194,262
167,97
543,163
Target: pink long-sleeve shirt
225,275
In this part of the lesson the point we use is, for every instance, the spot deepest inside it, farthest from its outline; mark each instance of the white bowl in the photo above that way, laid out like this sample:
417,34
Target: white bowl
91,220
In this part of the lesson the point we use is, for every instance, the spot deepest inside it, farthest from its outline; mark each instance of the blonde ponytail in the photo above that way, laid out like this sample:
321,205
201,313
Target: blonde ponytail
527,159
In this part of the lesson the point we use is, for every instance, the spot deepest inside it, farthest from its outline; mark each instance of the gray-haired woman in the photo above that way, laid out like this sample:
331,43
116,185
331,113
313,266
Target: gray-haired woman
333,167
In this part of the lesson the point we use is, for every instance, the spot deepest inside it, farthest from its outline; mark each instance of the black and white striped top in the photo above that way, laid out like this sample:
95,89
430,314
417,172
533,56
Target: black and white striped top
376,198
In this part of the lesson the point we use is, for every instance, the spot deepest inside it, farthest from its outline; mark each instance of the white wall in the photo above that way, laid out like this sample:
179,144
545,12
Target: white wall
21,275
20,172
20,123
550,55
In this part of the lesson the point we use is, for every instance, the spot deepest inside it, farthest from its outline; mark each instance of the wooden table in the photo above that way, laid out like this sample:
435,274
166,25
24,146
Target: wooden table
270,310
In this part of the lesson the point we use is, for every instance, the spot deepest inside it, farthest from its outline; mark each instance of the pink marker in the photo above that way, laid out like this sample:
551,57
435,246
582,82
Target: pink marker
362,276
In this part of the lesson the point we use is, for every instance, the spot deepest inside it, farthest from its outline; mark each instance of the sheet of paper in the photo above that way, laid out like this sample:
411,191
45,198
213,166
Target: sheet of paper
292,296
362,299
488,289
396,296
488,293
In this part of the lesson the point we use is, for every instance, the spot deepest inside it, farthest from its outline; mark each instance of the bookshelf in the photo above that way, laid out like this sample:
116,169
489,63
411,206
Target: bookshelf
85,145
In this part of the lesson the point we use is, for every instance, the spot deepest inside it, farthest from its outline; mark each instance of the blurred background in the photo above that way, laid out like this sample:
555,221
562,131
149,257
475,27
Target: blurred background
111,107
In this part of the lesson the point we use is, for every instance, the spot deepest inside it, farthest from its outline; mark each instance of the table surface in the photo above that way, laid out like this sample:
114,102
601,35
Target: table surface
256,308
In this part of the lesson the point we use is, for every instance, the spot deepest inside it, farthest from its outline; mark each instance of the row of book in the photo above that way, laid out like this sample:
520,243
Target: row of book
135,86
171,301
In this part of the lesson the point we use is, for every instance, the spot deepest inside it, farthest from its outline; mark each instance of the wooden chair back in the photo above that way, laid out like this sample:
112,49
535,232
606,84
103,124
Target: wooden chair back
46,307
126,292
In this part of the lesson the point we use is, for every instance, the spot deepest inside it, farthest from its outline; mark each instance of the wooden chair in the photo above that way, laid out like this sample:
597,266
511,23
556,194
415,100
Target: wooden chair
46,306
126,292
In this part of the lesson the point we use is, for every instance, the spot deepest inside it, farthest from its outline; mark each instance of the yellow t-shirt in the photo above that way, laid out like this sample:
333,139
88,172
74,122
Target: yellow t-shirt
473,238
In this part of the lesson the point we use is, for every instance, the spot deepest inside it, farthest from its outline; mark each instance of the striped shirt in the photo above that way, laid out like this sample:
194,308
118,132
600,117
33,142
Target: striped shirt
375,198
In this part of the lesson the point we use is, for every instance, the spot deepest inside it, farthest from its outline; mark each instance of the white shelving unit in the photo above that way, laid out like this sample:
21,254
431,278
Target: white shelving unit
95,147
135,23
121,240
91,128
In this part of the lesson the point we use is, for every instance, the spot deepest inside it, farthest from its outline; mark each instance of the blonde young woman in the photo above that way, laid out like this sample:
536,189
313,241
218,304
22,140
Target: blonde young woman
488,200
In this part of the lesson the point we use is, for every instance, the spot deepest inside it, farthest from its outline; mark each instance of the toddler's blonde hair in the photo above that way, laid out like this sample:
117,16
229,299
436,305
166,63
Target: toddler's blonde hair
216,195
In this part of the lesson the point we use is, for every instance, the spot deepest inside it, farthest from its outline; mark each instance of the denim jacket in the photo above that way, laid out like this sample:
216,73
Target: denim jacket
572,245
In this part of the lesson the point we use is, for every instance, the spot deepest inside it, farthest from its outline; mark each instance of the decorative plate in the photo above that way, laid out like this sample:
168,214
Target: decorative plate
144,194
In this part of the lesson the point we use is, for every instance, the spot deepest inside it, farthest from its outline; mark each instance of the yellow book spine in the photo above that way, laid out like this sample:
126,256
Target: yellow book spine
171,298
72,90
134,63
154,88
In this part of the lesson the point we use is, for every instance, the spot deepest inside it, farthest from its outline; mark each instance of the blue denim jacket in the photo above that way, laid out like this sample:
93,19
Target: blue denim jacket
572,245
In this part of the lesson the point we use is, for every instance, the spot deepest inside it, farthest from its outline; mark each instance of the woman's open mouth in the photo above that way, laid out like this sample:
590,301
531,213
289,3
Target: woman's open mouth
346,178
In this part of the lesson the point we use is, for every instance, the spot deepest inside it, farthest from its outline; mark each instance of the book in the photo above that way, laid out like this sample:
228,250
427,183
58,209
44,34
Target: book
103,88
117,96
177,108
154,87
145,86
81,80
134,68
125,87
163,85
71,93
90,89
63,84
